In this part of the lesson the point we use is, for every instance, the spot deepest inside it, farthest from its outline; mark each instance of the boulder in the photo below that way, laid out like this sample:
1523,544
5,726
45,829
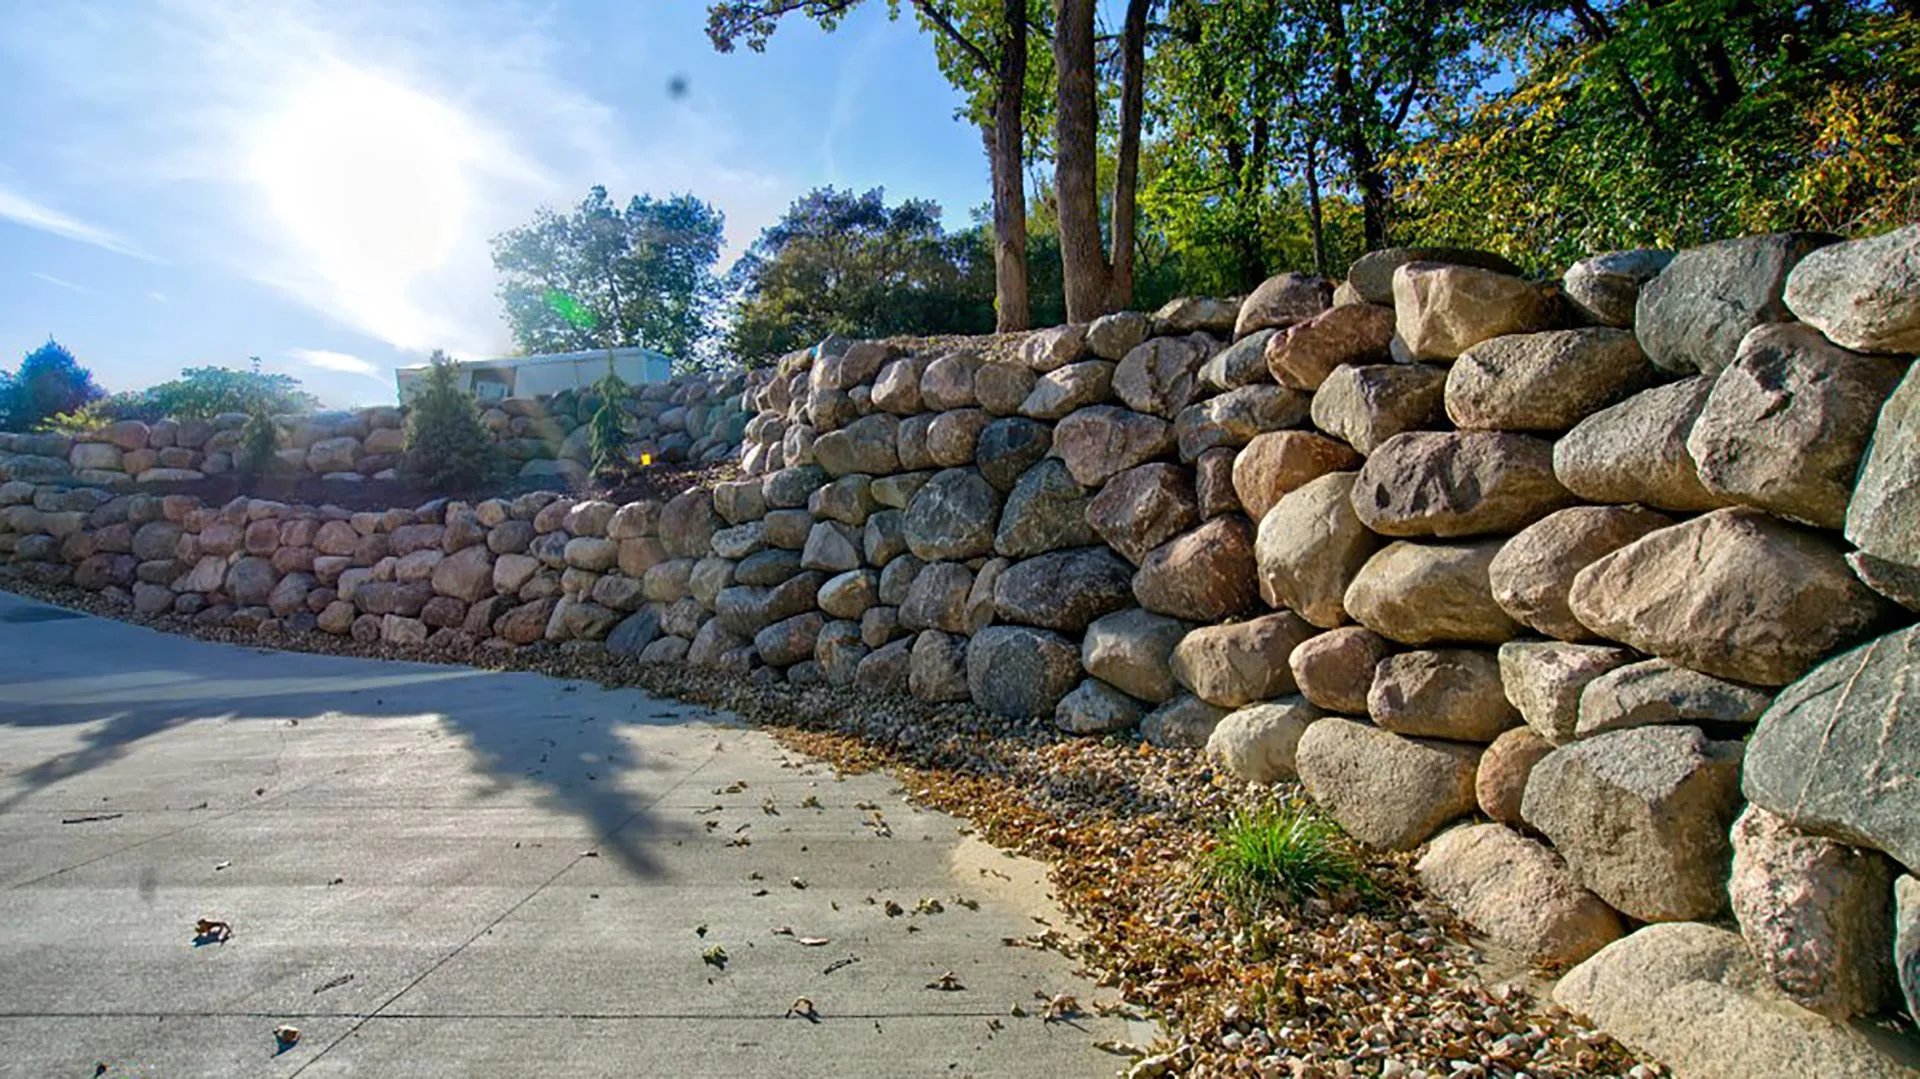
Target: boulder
687,524
1020,671
1501,782
1234,418
1050,349
1545,680
1457,483
1636,451
884,538
1386,791
953,516
1862,294
1184,722
1734,593
866,445
1099,442
1308,548
1237,664
1606,287
466,575
1335,669
1657,692
1834,753
1278,462
765,569
1787,423
1073,387
1451,693
789,640
897,388
937,598
1691,318
1141,508
937,667
848,500
1441,311
1544,381
1533,574
738,542
594,554
1692,996
1365,406
1897,582
948,382
1046,511
1906,940
1817,914
1094,707
1371,275
526,623
1519,893
1642,815
793,487
671,581
1304,354
1883,519
1133,650
1113,336
1064,590
250,583
831,547
1213,484
1258,743
1002,387
1188,314
951,436
897,578
634,633
1243,363
1430,593
845,369
1204,576
1282,300
850,594
1009,446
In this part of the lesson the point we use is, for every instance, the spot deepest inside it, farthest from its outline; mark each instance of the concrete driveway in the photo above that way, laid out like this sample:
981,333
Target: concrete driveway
436,871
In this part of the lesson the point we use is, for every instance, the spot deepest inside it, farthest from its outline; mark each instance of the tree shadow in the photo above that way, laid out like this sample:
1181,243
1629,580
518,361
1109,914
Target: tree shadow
578,748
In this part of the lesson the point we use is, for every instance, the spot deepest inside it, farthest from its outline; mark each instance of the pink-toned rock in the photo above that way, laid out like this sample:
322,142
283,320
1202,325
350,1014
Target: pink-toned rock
1204,576
1281,461
1304,354
1504,768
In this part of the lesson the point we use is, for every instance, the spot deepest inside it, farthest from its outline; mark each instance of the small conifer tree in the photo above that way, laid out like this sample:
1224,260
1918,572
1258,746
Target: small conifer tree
258,441
608,430
447,448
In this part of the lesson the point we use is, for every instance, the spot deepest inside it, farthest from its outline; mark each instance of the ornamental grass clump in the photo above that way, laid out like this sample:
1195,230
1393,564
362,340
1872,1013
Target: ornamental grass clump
1280,853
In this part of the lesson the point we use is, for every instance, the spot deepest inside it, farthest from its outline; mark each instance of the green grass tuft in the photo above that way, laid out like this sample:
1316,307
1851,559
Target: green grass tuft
1280,853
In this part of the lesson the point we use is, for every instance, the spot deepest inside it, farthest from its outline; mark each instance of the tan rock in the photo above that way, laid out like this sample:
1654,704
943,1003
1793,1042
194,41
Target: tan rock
1335,669
1419,594
1305,353
1519,893
1204,576
1259,743
1441,311
1367,405
1533,574
1451,693
1386,791
1545,680
1237,664
1278,462
1545,381
1501,782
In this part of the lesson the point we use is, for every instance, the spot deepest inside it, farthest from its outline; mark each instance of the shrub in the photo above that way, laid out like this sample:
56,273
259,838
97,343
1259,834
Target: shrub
258,441
1283,852
608,426
204,392
446,449
50,382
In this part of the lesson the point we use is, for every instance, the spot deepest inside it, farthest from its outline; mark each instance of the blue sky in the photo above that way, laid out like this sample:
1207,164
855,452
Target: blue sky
188,182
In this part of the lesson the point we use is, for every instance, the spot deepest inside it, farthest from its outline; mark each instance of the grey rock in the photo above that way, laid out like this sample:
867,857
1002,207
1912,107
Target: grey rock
1094,707
1533,574
1184,722
1606,287
1657,692
1020,671
1386,791
1692,316
1636,451
1546,679
1364,406
1544,381
1045,511
1260,743
1862,294
1461,483
1133,650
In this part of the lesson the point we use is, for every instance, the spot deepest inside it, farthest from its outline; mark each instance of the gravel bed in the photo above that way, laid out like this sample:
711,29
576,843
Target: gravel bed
1386,984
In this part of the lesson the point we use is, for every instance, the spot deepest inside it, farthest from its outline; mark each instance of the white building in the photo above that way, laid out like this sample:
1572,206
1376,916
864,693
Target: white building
539,376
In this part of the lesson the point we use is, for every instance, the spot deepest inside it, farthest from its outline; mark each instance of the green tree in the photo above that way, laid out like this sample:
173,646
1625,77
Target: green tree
203,392
850,264
607,428
606,277
446,447
49,382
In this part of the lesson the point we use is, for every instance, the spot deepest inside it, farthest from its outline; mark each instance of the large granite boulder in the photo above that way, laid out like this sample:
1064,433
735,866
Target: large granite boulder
1335,669
1883,519
937,669
1305,353
1142,508
1533,573
1366,405
1282,300
1100,442
1046,511
1429,593
1862,294
1020,671
1069,389
1457,483
1242,662
1309,546
1544,381
1094,707
1133,650
1161,375
1387,791
1691,318
1519,893
1606,287
1233,418
1835,753
1371,275
1259,743
953,516
1500,785
1636,451
1441,311
1817,914
1009,446
1654,692
1203,576
1734,593
1184,722
1281,461
1451,693
1787,422
1642,815
1546,679
1063,590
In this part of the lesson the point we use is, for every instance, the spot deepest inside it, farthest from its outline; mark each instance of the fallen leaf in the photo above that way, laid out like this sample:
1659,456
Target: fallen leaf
700,930
839,963
208,930
798,883
894,910
1119,1048
813,942
946,983
286,1036
783,931
803,1008
332,983
91,817
221,866
715,956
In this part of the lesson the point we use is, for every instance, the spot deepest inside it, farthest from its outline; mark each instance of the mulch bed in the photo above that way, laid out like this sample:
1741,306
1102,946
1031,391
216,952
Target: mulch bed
1388,984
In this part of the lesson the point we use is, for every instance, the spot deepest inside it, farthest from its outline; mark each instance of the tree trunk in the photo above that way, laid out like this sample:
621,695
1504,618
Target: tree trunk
1316,225
1083,256
1126,175
1367,174
1006,148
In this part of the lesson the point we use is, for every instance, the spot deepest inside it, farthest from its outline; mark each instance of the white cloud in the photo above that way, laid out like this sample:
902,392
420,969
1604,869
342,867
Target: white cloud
157,296
336,361
60,281
23,210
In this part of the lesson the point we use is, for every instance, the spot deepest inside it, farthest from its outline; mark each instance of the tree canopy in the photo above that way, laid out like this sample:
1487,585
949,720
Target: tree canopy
49,382
606,277
837,262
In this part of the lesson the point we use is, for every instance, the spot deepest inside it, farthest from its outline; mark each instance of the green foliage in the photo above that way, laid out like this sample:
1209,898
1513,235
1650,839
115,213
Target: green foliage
88,417
204,392
446,447
838,262
50,382
607,428
258,441
606,277
1279,853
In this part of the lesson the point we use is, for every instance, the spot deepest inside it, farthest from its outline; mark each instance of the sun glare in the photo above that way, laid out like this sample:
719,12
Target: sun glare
367,181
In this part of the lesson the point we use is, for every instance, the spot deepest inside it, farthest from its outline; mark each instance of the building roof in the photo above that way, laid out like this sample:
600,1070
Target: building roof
599,354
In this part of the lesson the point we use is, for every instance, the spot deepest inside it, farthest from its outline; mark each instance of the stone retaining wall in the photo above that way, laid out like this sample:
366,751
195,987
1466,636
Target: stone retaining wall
689,418
1619,570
